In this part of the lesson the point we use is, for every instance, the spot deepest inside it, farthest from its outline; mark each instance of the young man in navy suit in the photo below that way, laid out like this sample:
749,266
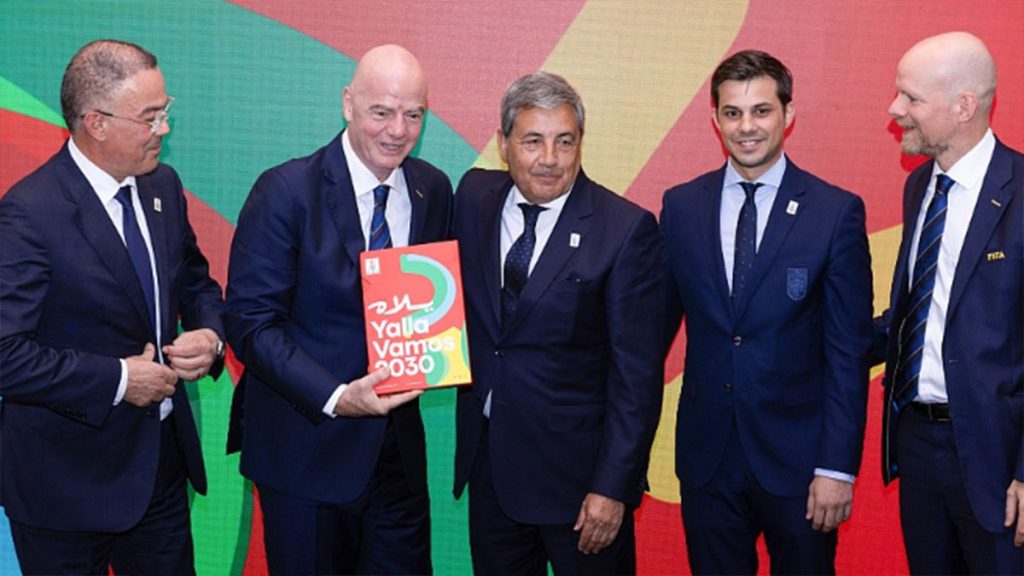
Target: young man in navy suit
341,472
770,266
98,263
563,288
954,410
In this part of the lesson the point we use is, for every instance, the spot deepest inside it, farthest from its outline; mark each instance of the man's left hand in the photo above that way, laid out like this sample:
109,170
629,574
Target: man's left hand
598,522
1015,510
829,503
192,353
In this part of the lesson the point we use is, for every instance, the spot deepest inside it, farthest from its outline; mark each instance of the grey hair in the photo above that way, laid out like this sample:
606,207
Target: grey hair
95,74
539,90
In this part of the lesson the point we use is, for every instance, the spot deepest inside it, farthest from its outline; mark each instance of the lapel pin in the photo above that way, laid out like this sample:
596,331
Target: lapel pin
997,203
157,205
418,193
574,240
791,207
997,255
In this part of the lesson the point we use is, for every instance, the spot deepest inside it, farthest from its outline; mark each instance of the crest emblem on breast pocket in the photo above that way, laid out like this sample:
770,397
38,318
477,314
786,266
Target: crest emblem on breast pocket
796,283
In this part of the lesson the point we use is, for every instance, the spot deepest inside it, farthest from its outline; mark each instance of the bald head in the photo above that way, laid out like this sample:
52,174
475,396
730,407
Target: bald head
957,62
384,106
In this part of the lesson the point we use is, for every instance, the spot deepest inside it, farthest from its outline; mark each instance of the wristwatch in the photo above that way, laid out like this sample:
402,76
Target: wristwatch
220,349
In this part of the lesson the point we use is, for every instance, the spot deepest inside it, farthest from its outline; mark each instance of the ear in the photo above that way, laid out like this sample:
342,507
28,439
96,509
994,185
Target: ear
346,104
502,146
714,118
95,125
965,106
790,112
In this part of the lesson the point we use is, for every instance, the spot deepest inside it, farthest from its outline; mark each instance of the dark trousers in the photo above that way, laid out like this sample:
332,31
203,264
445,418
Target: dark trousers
724,518
500,545
161,542
940,531
384,531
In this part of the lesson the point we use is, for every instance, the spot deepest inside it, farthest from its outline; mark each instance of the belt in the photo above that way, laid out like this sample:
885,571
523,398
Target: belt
933,412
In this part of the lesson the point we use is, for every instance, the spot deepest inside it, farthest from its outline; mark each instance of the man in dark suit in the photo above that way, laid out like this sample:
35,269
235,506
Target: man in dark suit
770,266
341,472
98,263
563,284
954,378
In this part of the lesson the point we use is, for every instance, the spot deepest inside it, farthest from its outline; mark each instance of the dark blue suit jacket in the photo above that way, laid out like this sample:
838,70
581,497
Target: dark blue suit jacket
70,306
577,376
295,319
983,342
788,365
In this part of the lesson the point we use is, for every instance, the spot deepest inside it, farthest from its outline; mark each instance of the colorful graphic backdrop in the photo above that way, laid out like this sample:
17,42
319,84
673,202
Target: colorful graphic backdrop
259,82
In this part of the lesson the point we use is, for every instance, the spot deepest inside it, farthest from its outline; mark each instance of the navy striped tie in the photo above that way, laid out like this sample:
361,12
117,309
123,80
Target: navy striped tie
912,330
137,251
380,234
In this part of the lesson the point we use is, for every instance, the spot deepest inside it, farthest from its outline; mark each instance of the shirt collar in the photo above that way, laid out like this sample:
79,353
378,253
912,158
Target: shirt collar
772,177
554,206
103,184
969,170
363,180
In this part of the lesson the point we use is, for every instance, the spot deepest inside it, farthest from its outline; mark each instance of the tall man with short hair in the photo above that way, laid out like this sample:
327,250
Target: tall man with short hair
98,263
563,289
770,266
341,472
954,410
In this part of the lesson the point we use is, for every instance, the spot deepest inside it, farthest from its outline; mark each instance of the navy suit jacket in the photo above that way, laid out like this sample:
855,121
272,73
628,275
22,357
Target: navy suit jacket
983,342
577,376
295,319
787,365
70,306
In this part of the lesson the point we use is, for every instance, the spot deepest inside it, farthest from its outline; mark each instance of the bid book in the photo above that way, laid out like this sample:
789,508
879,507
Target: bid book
415,316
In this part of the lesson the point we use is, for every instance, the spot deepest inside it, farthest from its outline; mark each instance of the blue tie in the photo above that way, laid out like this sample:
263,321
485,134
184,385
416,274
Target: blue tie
517,261
746,240
137,250
912,329
380,234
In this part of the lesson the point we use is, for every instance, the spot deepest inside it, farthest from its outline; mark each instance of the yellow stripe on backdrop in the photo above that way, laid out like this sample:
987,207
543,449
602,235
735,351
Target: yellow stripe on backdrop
637,65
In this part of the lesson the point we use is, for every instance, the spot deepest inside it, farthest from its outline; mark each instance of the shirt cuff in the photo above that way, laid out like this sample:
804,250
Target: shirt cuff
333,400
122,385
842,476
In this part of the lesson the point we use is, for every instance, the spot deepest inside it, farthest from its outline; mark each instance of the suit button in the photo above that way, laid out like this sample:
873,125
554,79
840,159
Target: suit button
151,413
498,354
728,387
737,340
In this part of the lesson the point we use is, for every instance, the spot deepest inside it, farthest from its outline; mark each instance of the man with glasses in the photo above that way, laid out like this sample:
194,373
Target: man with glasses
98,264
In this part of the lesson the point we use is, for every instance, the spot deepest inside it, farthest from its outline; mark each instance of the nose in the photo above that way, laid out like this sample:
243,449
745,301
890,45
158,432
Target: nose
746,123
165,127
397,127
897,109
549,154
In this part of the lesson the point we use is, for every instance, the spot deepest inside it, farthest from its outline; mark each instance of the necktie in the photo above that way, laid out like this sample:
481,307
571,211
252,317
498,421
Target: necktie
746,240
380,234
137,250
925,264
517,261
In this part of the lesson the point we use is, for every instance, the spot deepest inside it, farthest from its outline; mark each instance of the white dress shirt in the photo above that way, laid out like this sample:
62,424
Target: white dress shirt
398,214
968,174
106,189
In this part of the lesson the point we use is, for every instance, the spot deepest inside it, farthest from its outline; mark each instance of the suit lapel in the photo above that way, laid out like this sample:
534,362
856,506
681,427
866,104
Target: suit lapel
157,226
996,194
574,219
418,200
490,243
709,205
95,226
785,210
341,199
914,196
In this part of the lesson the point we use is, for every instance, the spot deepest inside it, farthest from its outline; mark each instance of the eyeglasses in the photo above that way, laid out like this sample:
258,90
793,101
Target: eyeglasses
154,125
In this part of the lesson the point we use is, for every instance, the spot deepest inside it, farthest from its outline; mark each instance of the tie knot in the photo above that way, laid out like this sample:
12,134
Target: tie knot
530,213
380,194
943,184
124,196
749,188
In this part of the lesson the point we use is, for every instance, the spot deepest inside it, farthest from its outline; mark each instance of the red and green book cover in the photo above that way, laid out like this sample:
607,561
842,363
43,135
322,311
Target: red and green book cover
415,317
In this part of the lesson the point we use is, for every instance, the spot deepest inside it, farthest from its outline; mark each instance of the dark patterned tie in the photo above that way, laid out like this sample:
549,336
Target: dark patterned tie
137,251
746,240
912,329
380,234
517,261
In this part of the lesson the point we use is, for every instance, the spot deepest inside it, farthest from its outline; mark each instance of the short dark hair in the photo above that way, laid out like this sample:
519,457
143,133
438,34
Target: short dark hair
750,64
539,90
96,72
